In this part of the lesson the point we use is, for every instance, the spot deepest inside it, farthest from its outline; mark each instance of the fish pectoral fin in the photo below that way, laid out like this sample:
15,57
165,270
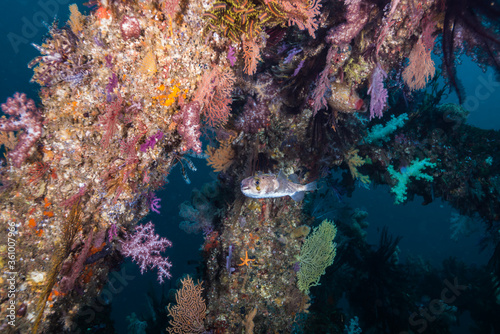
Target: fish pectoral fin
282,175
294,178
298,196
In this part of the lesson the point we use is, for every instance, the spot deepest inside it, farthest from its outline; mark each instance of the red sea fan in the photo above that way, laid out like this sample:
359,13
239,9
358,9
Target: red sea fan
214,93
420,68
303,14
188,314
251,54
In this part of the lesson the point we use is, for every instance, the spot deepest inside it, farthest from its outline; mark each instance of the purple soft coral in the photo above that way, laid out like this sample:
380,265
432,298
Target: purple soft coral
110,87
26,117
378,93
154,202
145,248
151,141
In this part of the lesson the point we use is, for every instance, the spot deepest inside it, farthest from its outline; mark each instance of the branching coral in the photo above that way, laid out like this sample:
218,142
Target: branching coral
154,81
67,283
402,177
246,18
220,159
26,117
420,68
354,161
214,95
76,19
188,314
145,248
109,119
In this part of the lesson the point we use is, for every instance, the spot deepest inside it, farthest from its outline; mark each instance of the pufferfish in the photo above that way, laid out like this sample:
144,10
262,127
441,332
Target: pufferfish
272,186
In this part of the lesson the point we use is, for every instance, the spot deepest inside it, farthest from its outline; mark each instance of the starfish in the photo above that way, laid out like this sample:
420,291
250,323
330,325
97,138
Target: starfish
246,260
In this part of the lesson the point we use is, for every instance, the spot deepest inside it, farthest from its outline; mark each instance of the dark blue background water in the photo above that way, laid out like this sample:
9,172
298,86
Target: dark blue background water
425,229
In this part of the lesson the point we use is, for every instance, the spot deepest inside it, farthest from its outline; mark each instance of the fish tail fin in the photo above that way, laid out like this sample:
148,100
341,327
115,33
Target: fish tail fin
311,186
299,195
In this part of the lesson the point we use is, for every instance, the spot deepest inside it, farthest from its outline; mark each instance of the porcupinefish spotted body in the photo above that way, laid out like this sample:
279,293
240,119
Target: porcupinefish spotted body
272,186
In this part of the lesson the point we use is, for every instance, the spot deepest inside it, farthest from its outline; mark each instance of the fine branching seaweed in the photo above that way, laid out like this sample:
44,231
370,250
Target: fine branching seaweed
62,249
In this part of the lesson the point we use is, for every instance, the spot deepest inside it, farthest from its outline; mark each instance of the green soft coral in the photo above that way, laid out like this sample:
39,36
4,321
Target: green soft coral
402,178
381,132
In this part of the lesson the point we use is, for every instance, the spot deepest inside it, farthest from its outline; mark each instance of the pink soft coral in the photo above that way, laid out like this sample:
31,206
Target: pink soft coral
24,116
145,248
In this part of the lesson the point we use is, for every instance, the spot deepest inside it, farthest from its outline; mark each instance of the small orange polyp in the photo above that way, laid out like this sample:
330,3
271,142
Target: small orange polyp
48,213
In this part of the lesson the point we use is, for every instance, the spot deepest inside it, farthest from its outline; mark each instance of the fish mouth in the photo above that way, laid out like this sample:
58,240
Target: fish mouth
244,184
245,188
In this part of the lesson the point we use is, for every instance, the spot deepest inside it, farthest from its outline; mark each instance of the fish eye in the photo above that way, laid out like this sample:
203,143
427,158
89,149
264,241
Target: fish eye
257,182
